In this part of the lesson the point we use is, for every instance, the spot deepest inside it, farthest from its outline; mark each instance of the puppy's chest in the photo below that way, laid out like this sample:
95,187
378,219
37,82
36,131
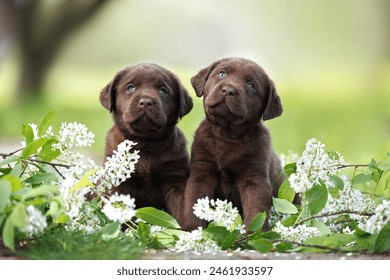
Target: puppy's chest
227,155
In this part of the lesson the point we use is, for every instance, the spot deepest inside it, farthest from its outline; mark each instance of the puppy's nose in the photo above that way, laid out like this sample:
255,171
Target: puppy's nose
145,103
228,91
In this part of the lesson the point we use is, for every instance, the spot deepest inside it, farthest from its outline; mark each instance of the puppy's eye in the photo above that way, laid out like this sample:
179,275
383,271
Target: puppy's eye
222,74
251,86
131,88
163,91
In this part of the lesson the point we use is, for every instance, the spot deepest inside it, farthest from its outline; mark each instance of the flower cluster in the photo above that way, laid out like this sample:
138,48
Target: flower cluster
119,167
220,211
380,218
119,208
36,221
349,199
315,165
75,135
87,222
296,234
196,242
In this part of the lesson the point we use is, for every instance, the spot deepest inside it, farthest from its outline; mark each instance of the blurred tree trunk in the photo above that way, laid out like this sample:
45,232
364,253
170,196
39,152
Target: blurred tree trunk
39,35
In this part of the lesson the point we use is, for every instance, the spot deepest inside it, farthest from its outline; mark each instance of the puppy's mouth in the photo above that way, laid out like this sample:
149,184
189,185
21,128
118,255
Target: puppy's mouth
146,124
224,114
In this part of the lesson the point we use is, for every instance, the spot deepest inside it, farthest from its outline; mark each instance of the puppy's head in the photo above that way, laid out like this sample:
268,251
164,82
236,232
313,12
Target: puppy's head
145,99
237,91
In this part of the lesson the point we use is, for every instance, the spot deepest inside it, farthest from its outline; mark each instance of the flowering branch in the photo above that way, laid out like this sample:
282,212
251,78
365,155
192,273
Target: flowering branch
31,159
322,247
328,214
351,165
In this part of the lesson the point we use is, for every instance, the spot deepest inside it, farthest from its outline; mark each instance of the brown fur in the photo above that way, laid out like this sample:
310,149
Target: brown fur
232,156
146,102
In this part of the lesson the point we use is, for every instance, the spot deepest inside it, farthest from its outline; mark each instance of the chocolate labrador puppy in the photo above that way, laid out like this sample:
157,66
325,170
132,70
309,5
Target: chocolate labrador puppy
232,156
146,102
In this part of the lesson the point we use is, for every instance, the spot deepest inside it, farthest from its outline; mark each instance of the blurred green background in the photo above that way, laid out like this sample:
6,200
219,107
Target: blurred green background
330,61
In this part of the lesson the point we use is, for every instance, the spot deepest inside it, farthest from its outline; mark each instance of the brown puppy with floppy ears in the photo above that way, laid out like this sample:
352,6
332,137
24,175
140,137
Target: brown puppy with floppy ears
146,102
232,156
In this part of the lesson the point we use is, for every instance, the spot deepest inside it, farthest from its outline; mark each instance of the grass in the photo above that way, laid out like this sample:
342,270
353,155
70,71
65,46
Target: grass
63,245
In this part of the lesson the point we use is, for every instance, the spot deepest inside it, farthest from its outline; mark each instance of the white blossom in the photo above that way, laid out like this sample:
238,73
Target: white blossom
350,199
315,165
119,208
119,167
220,211
36,221
377,221
196,242
74,135
87,221
296,234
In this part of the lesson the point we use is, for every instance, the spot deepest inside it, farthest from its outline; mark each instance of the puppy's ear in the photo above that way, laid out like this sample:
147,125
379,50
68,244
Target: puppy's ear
198,81
108,94
274,105
185,102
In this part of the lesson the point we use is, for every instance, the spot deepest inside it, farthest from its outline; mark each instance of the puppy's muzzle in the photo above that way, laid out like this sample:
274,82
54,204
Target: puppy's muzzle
146,103
228,91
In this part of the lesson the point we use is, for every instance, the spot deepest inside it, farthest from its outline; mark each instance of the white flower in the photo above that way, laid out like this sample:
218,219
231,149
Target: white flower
87,221
296,234
377,221
315,165
36,221
119,208
119,167
350,199
74,135
195,241
220,211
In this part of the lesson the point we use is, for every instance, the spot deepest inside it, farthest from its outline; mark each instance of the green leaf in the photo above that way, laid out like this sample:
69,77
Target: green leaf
230,240
33,147
382,243
338,182
40,178
144,232
286,191
290,221
216,233
5,194
28,133
10,159
384,165
8,234
84,181
258,222
18,216
157,217
322,228
16,183
284,206
290,168
361,178
39,191
111,230
46,121
284,246
167,237
47,152
17,170
261,245
317,197
334,241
